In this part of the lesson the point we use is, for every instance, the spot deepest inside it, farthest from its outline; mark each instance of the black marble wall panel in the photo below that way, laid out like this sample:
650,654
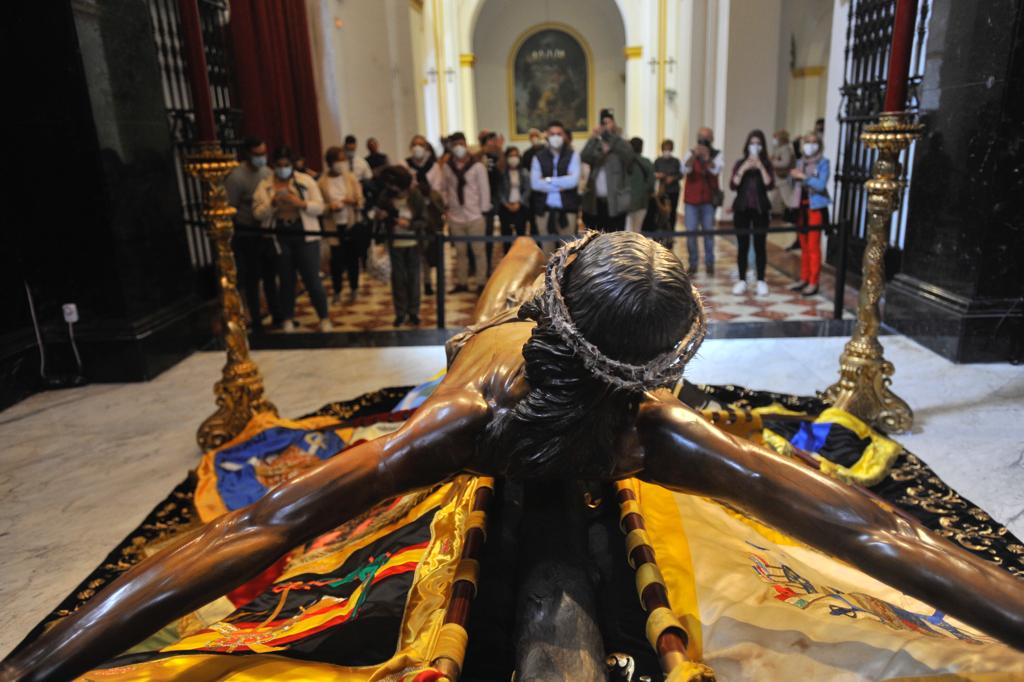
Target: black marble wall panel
97,220
961,286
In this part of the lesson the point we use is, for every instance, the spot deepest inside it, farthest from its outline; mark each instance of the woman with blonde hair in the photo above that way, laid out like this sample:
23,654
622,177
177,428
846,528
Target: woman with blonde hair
812,171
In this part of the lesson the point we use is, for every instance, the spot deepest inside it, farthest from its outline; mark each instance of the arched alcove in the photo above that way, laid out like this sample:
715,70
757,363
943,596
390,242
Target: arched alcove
501,26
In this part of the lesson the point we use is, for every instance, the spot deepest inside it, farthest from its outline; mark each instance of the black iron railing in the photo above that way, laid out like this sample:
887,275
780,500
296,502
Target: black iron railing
180,112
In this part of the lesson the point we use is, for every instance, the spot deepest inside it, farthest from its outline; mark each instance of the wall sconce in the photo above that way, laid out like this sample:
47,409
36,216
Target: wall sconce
670,95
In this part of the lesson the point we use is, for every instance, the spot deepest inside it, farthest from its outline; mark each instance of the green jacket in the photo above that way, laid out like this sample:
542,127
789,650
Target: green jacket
616,164
641,182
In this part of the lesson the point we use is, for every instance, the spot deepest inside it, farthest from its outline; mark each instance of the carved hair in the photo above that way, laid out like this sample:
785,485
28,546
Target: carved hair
619,318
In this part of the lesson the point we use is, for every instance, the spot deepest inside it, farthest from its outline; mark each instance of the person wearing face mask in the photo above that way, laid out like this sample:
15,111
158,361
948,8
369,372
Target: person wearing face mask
607,198
752,178
403,211
537,143
668,170
701,197
289,203
812,171
422,163
641,186
554,182
491,156
513,194
343,196
786,197
254,253
467,195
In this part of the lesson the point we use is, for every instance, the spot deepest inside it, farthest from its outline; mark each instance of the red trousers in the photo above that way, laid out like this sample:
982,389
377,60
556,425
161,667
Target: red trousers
810,248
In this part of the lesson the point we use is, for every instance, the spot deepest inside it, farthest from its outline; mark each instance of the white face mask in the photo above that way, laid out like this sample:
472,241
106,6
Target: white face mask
459,151
259,161
419,152
810,148
555,141
513,162
338,167
754,149
775,142
666,153
283,172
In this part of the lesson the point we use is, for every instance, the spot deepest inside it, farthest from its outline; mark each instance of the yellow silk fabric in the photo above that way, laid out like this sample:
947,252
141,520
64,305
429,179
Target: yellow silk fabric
748,626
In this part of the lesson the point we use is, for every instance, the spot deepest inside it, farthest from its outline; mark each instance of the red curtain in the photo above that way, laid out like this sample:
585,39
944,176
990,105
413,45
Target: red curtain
274,74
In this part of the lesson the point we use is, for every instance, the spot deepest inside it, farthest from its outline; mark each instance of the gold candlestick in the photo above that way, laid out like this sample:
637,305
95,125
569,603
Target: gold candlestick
240,391
864,374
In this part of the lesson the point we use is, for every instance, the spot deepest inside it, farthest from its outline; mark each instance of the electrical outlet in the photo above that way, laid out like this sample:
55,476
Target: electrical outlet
70,313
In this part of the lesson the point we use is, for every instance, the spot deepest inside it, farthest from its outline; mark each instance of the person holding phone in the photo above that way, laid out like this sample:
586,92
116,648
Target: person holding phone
290,203
702,165
752,178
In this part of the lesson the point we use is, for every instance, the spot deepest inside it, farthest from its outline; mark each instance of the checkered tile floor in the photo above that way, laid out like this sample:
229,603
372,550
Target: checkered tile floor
372,309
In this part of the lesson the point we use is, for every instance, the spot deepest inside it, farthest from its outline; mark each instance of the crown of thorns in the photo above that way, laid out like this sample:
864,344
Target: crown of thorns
662,370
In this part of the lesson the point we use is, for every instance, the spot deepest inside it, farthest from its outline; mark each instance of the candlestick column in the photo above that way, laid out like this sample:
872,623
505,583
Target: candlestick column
864,373
240,392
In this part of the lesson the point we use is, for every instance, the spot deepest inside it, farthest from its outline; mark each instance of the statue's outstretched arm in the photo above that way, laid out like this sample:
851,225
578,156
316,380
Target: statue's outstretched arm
685,453
433,445
521,265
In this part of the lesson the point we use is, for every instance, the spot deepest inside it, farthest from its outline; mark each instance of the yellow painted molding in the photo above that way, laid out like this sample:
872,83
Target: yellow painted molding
633,51
662,53
467,59
807,71
439,65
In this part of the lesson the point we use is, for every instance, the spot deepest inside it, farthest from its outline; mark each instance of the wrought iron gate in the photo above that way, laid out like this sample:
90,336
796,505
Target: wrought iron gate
214,15
866,63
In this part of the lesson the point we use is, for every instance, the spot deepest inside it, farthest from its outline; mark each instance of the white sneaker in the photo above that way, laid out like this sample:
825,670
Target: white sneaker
762,288
288,326
326,326
739,288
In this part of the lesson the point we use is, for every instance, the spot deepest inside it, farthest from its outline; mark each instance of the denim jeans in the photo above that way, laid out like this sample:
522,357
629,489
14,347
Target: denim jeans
304,257
700,216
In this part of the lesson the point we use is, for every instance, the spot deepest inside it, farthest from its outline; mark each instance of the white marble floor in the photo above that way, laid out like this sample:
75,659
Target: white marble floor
80,468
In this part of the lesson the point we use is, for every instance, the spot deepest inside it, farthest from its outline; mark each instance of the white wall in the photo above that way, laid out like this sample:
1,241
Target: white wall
500,24
752,80
366,73
802,98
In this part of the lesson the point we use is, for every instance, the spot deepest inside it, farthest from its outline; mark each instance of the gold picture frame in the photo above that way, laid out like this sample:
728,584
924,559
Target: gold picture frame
515,132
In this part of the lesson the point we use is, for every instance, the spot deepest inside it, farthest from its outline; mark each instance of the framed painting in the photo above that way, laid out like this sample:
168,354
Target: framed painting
550,78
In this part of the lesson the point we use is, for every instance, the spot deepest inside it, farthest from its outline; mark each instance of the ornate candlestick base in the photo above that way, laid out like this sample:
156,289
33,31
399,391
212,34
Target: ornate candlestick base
240,391
864,374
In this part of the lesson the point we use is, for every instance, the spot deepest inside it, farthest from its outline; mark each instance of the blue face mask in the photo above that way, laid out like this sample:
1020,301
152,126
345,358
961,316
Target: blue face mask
283,172
259,161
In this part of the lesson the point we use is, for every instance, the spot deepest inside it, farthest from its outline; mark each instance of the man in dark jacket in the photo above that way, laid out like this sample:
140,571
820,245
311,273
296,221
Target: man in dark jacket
554,185
607,198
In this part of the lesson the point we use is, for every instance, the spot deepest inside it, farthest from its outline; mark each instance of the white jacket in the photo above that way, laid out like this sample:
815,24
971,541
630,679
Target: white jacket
263,210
